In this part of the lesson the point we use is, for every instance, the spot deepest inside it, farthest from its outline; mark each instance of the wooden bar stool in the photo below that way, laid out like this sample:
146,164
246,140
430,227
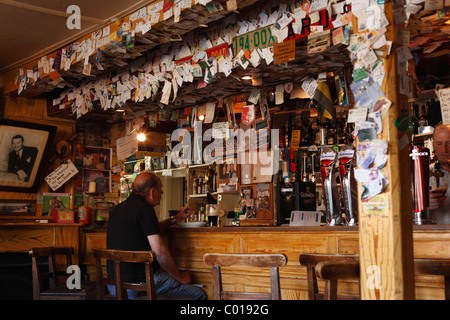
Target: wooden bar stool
119,257
311,260
45,258
437,267
272,261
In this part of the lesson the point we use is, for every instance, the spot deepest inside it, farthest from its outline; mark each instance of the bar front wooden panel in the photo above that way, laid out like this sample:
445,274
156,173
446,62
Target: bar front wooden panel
188,247
15,237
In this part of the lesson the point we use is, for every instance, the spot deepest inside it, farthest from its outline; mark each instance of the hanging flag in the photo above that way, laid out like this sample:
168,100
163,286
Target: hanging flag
323,97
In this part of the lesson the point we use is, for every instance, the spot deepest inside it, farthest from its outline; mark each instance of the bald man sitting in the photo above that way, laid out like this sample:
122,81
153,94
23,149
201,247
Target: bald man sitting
133,225
440,195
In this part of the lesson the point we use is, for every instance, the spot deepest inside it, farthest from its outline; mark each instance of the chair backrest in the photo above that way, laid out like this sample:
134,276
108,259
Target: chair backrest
438,267
119,257
272,261
50,253
332,271
311,260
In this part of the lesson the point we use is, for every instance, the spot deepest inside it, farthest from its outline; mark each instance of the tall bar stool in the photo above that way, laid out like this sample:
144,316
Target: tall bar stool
44,267
311,260
272,261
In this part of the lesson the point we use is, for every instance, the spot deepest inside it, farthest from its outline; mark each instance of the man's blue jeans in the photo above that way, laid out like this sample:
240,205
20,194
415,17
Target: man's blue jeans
166,284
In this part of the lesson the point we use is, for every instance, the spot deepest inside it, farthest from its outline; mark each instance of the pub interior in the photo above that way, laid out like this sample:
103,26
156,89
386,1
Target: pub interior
288,127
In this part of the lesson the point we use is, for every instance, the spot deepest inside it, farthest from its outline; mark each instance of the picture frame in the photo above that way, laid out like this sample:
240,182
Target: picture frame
11,208
101,178
24,146
263,198
228,175
97,158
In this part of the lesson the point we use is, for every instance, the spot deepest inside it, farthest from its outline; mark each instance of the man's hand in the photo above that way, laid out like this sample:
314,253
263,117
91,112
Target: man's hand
22,175
437,200
183,213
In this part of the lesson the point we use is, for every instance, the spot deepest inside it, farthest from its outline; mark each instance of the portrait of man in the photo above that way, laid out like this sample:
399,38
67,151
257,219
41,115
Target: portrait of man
22,158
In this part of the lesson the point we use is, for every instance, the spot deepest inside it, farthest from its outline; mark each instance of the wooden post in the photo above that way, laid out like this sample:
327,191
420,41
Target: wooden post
385,221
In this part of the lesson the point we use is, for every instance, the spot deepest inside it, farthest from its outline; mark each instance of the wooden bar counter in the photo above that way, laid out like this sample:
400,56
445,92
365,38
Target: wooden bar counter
188,245
22,236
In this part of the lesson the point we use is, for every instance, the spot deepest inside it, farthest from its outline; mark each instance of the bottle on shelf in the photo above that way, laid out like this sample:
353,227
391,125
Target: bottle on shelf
307,137
199,185
287,136
293,172
194,185
423,120
202,213
331,134
413,121
342,136
323,132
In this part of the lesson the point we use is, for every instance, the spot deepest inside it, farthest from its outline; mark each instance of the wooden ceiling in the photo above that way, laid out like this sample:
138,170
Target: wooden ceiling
28,42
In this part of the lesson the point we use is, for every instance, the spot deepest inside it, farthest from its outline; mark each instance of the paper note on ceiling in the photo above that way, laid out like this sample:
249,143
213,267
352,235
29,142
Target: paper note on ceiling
61,175
126,146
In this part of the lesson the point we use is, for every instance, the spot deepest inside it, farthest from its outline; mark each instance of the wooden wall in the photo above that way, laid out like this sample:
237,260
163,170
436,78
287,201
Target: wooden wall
35,110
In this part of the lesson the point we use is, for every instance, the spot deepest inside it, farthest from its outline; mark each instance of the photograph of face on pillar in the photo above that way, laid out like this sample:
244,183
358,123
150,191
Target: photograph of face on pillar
222,147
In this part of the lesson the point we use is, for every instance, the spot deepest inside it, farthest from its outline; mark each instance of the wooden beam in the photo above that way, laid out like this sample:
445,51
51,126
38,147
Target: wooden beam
385,237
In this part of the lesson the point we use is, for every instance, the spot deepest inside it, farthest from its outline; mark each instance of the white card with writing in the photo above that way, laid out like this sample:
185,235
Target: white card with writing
61,175
444,98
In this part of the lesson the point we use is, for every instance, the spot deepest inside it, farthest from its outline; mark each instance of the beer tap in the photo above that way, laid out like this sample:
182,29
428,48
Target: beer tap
420,168
330,192
346,157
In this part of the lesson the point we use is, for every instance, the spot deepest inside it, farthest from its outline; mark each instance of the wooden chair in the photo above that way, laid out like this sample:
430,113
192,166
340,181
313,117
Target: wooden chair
437,267
119,257
272,261
332,271
57,290
311,260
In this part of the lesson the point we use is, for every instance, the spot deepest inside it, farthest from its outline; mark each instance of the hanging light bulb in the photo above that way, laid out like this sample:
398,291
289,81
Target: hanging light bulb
141,137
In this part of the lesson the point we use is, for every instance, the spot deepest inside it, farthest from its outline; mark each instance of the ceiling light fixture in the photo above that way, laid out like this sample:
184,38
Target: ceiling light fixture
201,117
246,78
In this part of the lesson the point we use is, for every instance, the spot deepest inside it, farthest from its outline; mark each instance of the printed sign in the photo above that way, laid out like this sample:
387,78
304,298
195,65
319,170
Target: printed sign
284,52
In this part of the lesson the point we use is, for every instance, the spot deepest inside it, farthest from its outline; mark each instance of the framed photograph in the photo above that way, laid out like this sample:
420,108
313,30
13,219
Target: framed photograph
97,180
263,201
52,201
10,208
97,158
24,146
227,174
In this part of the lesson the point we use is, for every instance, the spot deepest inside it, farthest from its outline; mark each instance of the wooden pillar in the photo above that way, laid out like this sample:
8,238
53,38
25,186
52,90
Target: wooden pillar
385,233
